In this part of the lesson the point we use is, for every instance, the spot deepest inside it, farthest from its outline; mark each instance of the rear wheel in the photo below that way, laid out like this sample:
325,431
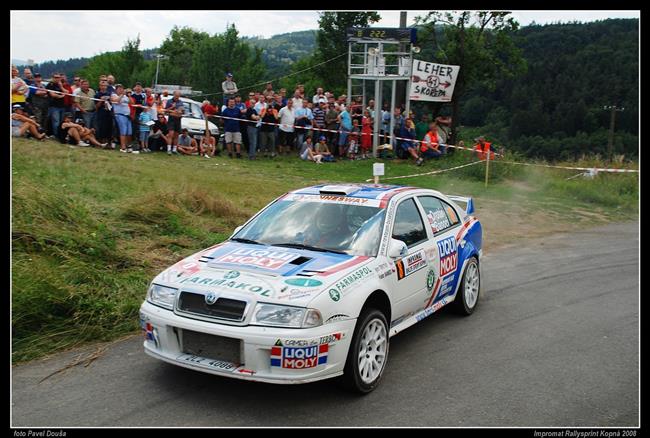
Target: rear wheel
469,290
368,352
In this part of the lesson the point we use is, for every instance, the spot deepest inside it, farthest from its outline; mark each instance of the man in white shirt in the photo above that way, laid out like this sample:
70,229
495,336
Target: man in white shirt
286,134
229,88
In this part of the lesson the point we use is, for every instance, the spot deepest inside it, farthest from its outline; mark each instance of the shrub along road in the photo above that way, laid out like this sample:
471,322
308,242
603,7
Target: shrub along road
554,342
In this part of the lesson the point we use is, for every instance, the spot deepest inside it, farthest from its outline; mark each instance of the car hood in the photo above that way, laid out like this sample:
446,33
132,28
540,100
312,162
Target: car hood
265,273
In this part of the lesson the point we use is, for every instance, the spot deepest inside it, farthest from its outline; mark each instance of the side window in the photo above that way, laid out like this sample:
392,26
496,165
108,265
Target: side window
408,225
439,214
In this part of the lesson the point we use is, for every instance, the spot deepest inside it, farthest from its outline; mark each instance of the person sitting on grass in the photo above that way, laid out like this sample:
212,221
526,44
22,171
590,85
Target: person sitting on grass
407,135
307,152
207,146
75,134
431,147
323,150
21,124
158,139
186,144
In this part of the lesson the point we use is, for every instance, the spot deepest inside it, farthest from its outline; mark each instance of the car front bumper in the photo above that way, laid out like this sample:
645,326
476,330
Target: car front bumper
267,354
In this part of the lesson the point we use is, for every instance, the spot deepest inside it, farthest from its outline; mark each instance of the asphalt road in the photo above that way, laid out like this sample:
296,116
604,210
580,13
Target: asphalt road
553,342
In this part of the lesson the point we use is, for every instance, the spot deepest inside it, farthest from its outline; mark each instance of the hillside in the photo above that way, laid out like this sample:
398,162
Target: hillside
280,51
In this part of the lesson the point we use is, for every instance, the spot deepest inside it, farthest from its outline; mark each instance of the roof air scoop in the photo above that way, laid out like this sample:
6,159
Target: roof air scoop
338,190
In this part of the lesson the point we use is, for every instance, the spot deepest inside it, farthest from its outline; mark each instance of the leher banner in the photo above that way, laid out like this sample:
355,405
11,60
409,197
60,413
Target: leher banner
433,82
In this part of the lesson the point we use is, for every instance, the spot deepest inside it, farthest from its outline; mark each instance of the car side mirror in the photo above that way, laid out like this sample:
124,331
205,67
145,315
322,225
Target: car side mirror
396,249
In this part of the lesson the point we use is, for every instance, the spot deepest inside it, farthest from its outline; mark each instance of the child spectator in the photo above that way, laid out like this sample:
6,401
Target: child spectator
353,149
366,133
145,122
323,150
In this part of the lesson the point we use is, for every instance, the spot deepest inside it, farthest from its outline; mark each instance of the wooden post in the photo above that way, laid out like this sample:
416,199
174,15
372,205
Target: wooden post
487,167
376,179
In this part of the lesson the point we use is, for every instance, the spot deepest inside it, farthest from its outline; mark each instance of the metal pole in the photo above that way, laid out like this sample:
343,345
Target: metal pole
157,67
377,124
408,83
392,116
487,167
610,139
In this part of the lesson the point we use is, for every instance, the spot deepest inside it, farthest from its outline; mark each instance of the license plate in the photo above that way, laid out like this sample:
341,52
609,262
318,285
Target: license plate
218,365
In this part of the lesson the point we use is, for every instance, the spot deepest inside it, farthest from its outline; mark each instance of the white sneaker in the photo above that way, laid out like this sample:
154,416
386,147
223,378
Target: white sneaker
129,150
206,155
83,143
123,150
135,152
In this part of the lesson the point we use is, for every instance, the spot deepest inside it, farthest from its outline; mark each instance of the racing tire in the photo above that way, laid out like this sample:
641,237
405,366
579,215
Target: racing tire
470,287
371,339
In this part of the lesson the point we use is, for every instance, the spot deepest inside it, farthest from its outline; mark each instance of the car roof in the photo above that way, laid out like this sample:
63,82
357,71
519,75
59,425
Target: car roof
381,192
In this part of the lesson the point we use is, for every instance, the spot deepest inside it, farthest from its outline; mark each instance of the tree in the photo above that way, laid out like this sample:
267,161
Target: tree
331,42
479,42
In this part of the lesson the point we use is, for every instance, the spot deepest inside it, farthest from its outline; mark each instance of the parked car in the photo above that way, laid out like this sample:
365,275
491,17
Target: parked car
315,284
194,120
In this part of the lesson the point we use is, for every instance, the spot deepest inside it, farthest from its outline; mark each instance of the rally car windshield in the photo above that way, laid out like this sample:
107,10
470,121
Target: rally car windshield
351,229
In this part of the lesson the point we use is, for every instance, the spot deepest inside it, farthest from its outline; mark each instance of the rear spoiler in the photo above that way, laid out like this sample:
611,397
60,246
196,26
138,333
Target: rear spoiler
469,203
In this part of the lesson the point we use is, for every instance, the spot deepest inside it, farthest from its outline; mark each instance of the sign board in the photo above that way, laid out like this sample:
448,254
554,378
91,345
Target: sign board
378,169
402,34
432,82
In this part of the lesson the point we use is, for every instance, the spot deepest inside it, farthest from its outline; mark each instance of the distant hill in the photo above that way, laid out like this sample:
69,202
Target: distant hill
67,66
280,51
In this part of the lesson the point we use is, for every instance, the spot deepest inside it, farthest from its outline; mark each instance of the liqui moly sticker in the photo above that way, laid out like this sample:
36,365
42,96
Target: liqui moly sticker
260,258
299,357
448,255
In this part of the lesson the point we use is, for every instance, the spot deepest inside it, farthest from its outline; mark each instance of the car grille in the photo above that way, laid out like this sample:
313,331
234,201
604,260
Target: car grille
211,346
223,308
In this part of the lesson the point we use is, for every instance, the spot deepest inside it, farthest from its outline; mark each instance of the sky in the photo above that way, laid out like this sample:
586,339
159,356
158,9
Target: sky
50,35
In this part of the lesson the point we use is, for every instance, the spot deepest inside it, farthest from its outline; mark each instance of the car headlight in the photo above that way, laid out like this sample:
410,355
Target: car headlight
286,316
162,296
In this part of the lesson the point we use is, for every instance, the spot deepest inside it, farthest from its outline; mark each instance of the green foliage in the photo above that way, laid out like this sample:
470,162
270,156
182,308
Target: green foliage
555,110
127,65
479,42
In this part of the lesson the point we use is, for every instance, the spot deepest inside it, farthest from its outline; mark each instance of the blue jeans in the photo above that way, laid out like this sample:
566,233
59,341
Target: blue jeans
252,140
89,119
343,136
55,115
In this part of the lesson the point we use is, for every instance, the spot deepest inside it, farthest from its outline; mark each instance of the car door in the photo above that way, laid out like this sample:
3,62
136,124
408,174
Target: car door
443,223
409,283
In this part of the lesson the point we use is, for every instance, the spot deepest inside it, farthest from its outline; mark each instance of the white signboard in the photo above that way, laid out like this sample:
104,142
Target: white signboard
378,169
433,82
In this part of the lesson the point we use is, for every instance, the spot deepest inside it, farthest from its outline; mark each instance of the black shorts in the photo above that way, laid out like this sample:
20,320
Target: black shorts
285,138
174,124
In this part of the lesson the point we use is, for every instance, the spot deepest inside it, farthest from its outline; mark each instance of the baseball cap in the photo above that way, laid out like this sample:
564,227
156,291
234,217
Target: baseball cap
17,106
322,101
322,137
229,75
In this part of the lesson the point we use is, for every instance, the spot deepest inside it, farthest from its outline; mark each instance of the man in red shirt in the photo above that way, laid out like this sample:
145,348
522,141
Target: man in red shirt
68,101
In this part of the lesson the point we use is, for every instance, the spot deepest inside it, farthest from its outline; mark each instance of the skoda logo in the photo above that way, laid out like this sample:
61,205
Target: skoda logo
335,295
210,298
231,274
430,279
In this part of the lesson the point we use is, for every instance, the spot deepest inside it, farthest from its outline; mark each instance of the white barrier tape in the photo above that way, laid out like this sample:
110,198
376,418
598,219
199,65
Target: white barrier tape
431,173
593,170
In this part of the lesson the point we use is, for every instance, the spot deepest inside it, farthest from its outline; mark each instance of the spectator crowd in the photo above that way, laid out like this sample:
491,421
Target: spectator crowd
319,127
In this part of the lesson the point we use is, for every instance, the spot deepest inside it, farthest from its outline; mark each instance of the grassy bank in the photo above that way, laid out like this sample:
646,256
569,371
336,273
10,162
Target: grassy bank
91,228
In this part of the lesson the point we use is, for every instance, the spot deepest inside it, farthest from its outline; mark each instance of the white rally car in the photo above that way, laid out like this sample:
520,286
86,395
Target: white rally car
315,284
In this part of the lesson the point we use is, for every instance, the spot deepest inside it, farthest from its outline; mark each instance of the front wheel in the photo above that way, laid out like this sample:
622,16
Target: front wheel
368,352
469,289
